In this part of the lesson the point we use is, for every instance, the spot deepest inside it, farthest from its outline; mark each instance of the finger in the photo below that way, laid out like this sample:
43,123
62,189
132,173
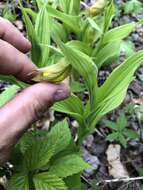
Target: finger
20,112
9,33
14,62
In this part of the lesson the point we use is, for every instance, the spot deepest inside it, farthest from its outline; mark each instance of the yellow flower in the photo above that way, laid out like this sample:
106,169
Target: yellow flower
53,73
97,8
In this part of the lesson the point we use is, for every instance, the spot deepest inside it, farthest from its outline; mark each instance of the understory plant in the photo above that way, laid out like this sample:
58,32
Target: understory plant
84,41
120,132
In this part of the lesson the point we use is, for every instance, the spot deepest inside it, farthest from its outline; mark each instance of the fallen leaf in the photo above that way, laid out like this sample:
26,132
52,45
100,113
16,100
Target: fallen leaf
116,168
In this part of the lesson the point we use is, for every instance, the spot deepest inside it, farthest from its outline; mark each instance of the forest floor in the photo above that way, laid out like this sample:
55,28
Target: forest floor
95,146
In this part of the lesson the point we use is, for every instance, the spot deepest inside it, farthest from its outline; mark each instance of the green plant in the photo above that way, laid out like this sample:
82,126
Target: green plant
8,12
47,160
133,6
58,30
120,131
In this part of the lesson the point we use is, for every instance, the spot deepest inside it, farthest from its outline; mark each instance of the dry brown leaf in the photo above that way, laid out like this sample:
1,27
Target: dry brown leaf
116,168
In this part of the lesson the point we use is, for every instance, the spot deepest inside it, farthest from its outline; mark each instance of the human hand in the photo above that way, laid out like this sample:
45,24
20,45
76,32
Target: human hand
18,114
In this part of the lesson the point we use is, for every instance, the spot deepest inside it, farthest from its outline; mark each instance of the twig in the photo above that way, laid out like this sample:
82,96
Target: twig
84,4
86,180
120,180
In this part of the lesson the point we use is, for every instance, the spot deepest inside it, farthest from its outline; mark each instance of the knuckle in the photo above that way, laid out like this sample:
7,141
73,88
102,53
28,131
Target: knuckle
36,108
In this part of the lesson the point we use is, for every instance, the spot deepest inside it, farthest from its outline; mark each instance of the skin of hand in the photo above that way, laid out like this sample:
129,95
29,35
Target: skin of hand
18,114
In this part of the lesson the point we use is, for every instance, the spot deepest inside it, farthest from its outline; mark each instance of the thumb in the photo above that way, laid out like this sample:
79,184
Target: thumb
24,109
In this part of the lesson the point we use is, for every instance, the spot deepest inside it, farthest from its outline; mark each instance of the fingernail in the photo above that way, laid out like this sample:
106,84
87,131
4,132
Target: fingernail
60,95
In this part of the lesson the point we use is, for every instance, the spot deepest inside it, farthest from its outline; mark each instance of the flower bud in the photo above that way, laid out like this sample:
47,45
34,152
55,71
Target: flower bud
53,73
97,8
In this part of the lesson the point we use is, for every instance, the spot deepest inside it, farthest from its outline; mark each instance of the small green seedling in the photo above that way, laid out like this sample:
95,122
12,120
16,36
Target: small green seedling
133,6
120,131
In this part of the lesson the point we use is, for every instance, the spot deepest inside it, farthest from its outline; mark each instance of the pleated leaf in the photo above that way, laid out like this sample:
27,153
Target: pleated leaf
107,53
18,182
46,181
72,106
60,136
72,22
58,28
71,7
13,80
42,28
40,3
109,14
36,57
65,5
81,46
75,7
118,33
39,154
84,65
68,166
31,13
113,91
73,182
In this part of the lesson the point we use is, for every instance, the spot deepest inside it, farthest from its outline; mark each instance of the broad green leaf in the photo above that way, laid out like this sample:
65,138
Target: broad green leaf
71,7
77,87
31,13
94,25
84,65
46,181
112,92
8,13
9,93
84,186
65,5
109,51
36,57
108,16
26,141
72,22
59,30
120,77
81,46
13,80
128,47
133,6
122,121
73,182
112,137
60,135
39,154
129,133
40,3
118,33
89,34
68,165
72,106
110,124
122,140
18,181
75,7
42,28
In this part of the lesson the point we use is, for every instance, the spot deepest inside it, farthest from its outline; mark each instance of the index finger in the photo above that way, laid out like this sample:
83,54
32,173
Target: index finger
14,62
9,33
